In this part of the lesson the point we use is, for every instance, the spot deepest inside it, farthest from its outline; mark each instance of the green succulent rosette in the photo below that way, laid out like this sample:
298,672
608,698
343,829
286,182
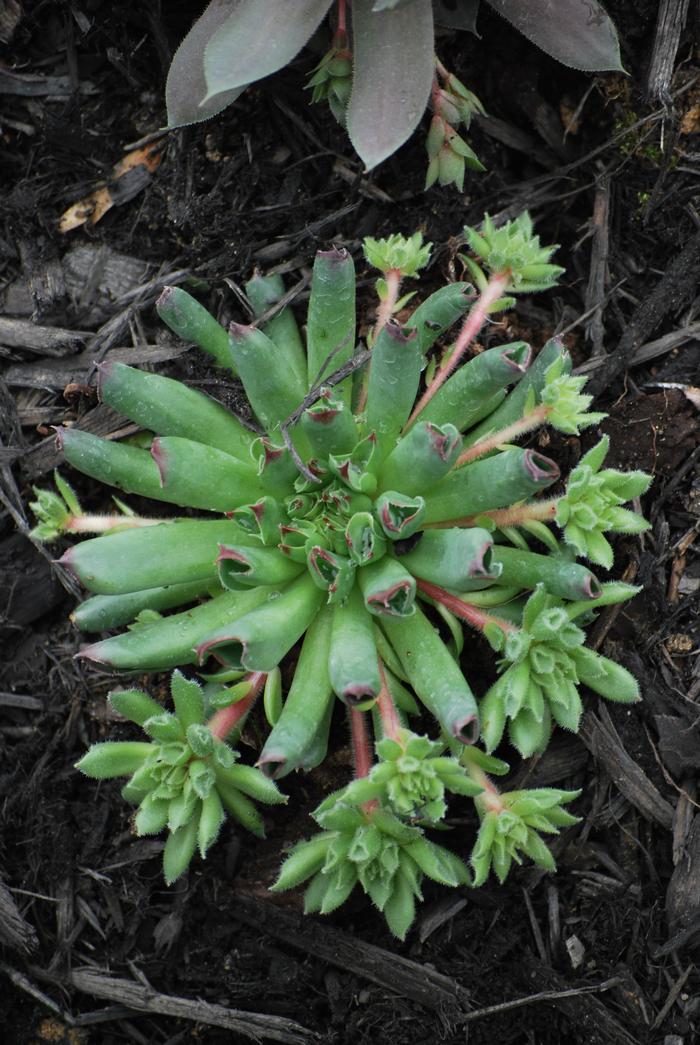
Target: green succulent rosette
515,248
591,506
414,775
566,408
185,779
373,849
511,827
375,505
543,662
405,254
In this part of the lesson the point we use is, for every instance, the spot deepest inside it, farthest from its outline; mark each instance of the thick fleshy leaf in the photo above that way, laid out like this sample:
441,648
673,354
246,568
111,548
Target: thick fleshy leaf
241,809
459,559
170,641
477,387
191,321
258,38
305,859
103,612
179,850
188,700
434,675
152,816
186,88
153,556
330,331
113,758
421,459
259,640
308,704
576,32
352,662
264,292
400,908
387,5
134,704
274,392
525,569
515,404
607,678
210,820
168,407
438,312
393,74
252,783
393,381
489,484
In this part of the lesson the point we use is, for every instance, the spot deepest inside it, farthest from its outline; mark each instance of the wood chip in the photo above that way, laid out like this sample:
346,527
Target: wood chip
683,893
57,374
601,737
251,1025
45,341
420,983
45,455
15,931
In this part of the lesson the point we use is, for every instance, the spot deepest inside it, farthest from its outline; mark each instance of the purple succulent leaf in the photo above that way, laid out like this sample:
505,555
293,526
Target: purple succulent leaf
577,33
186,87
258,38
393,74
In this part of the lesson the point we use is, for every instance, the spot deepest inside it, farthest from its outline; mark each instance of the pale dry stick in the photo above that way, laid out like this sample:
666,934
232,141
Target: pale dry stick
335,378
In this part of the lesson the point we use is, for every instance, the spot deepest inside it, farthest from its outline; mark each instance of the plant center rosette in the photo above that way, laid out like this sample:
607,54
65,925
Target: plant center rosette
381,502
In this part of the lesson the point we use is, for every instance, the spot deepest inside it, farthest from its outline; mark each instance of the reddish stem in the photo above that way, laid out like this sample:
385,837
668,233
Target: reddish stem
464,610
384,314
525,424
342,16
386,307
362,753
361,747
391,723
435,95
494,289
226,719
490,799
538,511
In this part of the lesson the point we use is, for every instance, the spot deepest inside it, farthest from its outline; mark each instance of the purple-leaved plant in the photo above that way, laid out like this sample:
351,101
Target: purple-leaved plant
380,73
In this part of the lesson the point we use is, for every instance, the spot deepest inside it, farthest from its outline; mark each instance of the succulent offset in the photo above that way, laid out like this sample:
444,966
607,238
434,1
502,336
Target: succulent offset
380,73
378,504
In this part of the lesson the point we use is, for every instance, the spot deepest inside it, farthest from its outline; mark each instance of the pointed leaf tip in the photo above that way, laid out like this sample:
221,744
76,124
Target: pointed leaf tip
577,33
393,74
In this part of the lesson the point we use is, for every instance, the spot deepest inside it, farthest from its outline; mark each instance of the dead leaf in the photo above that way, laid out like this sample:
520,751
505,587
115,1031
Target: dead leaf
94,206
690,123
679,643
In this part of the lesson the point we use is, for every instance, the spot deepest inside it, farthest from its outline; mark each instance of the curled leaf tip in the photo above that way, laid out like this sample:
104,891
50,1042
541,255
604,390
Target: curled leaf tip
541,467
467,729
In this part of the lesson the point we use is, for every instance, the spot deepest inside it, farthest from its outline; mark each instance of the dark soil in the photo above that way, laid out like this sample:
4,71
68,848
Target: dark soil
95,948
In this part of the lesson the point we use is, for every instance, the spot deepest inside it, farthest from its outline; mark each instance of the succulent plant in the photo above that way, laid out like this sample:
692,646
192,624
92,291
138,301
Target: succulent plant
385,856
380,71
377,504
187,778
